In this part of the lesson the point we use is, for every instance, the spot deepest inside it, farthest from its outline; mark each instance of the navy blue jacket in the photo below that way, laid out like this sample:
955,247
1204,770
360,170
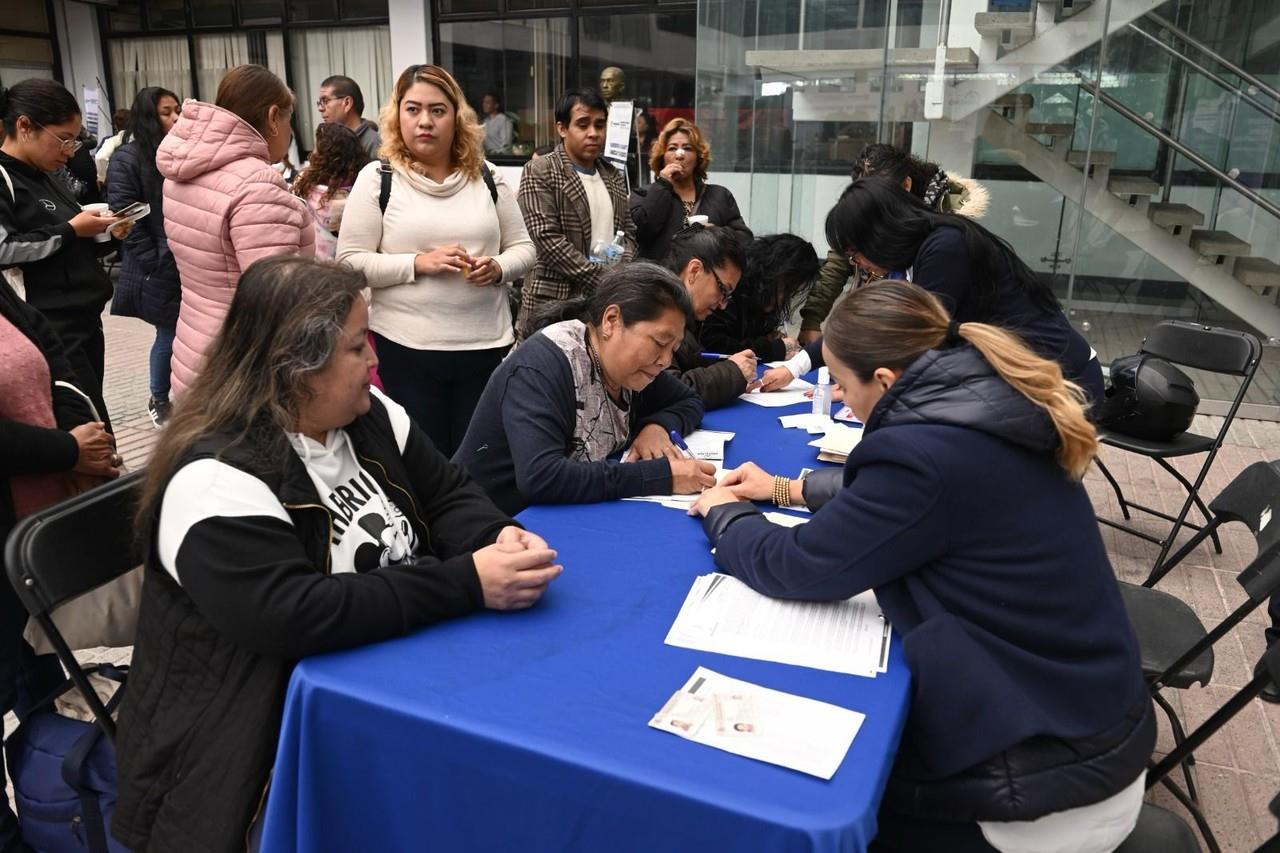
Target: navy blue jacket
942,267
520,441
148,286
986,558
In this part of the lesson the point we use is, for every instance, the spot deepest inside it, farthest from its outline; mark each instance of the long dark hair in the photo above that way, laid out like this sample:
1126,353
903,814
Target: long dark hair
715,247
777,264
886,224
335,162
145,131
642,291
897,165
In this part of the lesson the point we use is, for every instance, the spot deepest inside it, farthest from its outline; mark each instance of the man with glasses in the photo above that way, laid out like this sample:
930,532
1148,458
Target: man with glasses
341,102
709,262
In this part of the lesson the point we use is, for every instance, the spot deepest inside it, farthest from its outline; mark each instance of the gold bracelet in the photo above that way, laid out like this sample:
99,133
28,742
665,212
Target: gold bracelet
782,491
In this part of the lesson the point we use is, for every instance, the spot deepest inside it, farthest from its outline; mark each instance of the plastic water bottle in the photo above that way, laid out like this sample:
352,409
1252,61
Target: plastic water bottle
600,253
822,393
615,250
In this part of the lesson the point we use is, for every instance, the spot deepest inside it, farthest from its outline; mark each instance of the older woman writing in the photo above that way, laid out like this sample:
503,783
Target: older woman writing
590,384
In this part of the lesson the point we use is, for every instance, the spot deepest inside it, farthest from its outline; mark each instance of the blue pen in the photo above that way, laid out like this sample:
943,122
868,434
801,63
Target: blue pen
679,442
715,355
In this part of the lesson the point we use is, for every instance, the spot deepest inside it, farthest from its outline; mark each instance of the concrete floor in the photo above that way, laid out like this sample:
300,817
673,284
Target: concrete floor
1238,770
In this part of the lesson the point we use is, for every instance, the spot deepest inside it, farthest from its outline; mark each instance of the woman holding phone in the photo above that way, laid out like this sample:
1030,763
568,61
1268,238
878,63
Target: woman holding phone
49,245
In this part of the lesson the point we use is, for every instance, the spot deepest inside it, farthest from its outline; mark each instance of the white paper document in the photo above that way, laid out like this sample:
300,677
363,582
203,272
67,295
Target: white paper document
790,395
677,501
756,722
839,440
708,445
617,140
722,614
807,421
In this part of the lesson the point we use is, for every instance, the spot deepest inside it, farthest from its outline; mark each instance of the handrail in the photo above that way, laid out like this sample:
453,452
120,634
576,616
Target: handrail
1191,155
1221,81
1212,54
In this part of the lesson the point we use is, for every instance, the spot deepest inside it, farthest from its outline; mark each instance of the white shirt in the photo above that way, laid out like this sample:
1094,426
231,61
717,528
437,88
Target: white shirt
498,134
601,205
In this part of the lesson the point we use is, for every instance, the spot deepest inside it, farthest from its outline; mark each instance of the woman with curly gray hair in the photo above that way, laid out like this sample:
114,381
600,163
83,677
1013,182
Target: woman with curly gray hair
288,510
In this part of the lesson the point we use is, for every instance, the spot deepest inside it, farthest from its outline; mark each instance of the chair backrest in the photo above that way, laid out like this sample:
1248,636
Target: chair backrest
75,546
1253,499
1210,348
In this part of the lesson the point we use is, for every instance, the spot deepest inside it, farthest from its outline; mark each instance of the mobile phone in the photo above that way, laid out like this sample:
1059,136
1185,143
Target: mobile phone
133,211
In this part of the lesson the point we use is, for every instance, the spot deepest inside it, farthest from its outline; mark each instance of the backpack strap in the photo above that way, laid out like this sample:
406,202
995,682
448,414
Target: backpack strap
8,182
488,182
384,195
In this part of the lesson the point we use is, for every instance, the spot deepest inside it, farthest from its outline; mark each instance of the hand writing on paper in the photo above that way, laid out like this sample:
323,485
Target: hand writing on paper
746,362
690,476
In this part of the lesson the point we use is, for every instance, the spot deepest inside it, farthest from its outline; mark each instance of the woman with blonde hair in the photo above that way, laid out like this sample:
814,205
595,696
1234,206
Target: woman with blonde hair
962,508
679,158
439,236
224,206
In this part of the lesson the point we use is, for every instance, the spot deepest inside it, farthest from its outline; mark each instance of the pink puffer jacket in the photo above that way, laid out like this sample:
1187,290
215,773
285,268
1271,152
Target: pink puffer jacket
224,208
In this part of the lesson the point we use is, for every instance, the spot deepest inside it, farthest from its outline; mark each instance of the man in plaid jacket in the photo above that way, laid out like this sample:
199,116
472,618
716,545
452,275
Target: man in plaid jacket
571,198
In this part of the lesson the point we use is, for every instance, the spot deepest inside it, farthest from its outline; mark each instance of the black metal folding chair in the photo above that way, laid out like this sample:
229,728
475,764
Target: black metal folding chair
1207,348
1177,650
1161,831
67,550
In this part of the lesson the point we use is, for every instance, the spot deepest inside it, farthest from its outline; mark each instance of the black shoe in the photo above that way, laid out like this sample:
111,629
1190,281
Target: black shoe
159,411
1270,693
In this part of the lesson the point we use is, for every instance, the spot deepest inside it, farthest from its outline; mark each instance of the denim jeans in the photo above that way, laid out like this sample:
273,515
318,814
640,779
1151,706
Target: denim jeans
161,353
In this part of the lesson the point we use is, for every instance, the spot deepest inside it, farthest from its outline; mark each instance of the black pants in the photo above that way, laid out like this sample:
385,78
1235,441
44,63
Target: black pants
439,389
86,351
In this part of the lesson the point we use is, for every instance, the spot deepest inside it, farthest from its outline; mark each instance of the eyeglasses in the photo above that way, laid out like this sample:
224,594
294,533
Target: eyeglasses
70,146
726,292
324,99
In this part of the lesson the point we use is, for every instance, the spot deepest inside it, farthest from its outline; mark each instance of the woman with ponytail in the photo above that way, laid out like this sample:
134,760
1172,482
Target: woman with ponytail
962,508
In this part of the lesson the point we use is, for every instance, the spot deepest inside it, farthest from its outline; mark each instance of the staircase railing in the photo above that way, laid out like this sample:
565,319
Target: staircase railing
1203,48
1159,133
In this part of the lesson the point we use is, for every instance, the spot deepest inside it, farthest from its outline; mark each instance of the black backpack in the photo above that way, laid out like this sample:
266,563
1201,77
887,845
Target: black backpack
1148,398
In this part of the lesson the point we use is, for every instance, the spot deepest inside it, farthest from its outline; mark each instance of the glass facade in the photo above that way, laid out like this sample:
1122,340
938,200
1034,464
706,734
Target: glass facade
529,51
26,43
790,91
188,46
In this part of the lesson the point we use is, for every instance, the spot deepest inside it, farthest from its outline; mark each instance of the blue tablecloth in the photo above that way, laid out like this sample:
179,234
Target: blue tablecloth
528,731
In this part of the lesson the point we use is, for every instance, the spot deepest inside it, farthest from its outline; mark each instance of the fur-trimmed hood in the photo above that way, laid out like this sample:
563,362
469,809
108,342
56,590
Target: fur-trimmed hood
966,197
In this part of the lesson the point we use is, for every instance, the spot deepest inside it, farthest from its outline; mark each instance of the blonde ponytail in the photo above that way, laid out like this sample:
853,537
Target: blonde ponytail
891,323
1040,381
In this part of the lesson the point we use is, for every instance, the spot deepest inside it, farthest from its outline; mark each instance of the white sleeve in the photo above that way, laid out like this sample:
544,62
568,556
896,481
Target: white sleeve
208,488
799,364
399,418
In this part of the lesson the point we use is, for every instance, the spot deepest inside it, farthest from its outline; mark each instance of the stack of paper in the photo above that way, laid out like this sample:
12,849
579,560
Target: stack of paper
767,725
807,421
791,395
722,614
838,443
846,414
708,445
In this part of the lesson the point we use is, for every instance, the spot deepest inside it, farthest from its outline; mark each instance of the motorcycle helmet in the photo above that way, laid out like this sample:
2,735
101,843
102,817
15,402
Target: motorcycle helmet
1148,398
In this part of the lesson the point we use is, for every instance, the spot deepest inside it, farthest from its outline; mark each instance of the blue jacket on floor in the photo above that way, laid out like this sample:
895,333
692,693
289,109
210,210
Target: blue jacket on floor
987,559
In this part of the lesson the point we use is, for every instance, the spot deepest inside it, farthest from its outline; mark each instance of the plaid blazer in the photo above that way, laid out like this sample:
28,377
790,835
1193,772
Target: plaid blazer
558,219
